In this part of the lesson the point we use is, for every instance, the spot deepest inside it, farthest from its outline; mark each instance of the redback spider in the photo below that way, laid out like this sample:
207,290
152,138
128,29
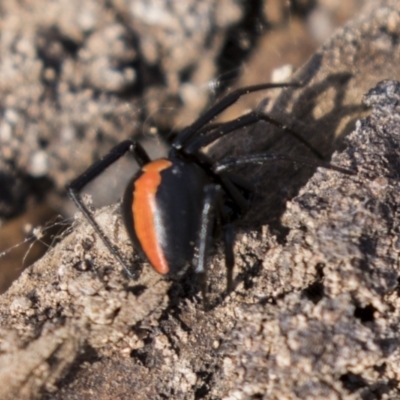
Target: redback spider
171,205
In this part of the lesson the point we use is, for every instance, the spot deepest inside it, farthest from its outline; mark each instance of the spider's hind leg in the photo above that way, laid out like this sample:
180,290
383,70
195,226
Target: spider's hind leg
229,241
213,213
75,187
206,231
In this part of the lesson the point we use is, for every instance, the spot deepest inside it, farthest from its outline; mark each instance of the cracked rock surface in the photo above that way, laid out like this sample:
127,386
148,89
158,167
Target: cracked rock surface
335,335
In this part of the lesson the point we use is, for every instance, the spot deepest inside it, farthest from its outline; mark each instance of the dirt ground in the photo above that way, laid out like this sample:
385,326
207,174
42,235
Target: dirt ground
83,76
314,310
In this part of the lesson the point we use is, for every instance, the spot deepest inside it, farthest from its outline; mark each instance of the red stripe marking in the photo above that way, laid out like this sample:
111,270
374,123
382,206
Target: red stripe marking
144,207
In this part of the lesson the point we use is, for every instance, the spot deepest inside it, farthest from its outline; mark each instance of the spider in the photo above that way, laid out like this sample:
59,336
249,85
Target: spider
171,206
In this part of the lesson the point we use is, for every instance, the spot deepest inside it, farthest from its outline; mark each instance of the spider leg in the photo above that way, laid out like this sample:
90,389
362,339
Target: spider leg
228,232
213,201
187,133
205,235
228,181
231,162
229,241
245,120
234,192
74,188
